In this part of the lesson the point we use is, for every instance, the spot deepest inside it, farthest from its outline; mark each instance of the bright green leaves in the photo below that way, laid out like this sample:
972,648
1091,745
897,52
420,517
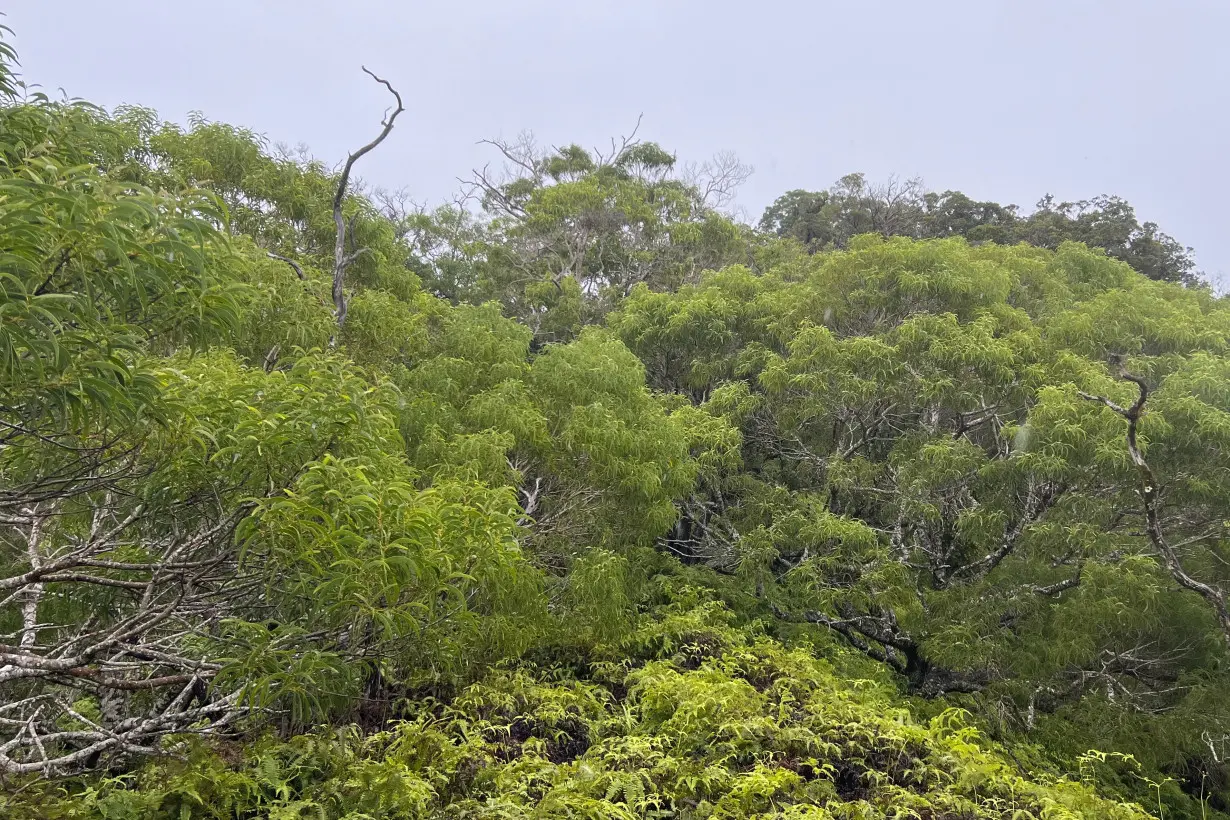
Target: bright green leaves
90,274
596,455
958,364
282,314
691,339
282,667
881,282
353,547
383,331
887,442
284,203
715,725
1142,319
1193,400
610,439
598,596
403,573
594,368
922,474
264,428
9,84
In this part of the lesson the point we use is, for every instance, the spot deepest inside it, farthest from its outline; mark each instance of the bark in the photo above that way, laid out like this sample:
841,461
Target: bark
1149,489
341,259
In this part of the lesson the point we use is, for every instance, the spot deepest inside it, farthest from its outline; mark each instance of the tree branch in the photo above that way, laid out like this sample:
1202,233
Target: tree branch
342,260
294,265
1038,501
1214,596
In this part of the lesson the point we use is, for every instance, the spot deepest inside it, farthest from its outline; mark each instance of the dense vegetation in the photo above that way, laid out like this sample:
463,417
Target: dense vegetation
585,500
831,218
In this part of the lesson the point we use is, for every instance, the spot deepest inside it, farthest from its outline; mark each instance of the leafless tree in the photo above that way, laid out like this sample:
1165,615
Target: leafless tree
717,180
896,205
487,187
524,160
341,259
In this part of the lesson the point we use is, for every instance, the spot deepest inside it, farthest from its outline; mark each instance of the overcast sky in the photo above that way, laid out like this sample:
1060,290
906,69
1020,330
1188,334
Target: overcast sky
1003,100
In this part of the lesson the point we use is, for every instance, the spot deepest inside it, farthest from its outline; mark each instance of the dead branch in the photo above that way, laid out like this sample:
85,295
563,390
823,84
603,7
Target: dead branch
341,259
66,534
618,149
295,266
1038,500
717,180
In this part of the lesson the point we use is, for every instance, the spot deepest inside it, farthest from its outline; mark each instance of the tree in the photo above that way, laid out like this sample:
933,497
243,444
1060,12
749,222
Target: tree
832,218
98,568
921,478
576,230
591,501
342,258
1150,489
147,479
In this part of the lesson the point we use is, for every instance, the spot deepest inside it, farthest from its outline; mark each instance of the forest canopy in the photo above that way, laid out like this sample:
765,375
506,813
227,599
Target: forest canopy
580,498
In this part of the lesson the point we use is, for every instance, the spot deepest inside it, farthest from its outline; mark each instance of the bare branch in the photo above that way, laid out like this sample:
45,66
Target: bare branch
298,269
622,147
1059,586
717,180
341,260
1038,500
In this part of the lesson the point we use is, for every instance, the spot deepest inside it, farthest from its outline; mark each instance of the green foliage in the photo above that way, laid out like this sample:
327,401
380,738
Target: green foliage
572,231
922,477
93,271
626,511
832,218
685,717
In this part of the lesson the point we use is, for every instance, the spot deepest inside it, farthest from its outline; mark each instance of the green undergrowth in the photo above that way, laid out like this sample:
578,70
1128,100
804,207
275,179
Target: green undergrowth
685,716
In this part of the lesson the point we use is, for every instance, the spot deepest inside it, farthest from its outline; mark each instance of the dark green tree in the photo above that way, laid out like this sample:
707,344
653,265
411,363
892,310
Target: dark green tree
831,218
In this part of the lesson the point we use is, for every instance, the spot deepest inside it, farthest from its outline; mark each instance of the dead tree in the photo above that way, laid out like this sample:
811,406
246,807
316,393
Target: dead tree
717,180
341,259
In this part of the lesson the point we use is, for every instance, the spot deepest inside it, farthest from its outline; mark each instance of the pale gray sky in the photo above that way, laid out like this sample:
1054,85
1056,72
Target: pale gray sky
1003,100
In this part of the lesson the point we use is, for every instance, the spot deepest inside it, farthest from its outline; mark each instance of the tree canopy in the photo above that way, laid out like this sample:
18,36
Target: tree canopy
580,498
831,218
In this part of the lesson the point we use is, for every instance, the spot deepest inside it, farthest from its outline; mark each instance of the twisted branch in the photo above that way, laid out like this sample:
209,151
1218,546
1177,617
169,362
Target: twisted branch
1214,596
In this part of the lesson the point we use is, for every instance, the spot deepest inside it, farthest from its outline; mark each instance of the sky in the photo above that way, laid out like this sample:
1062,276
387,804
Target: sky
1006,101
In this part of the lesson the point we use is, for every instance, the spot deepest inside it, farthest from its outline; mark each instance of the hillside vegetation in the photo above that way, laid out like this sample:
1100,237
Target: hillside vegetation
584,500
